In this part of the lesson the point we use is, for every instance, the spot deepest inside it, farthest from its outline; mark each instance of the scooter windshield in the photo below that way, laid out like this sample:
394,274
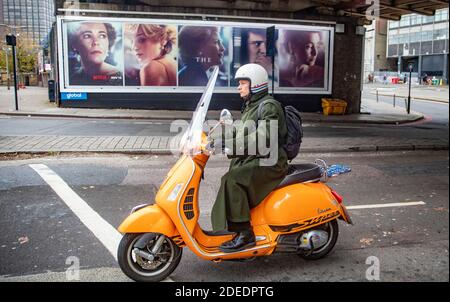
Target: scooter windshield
191,140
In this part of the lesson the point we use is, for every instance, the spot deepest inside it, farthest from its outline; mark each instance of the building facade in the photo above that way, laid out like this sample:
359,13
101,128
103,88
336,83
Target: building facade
375,59
421,40
31,17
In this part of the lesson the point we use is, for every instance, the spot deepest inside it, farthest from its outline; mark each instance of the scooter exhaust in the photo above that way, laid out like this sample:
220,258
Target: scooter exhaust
307,241
313,240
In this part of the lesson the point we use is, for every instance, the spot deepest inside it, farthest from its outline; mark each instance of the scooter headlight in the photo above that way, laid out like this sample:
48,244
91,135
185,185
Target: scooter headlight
173,195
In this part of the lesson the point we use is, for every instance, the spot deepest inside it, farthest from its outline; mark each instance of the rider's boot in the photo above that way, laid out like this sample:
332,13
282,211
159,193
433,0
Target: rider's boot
242,240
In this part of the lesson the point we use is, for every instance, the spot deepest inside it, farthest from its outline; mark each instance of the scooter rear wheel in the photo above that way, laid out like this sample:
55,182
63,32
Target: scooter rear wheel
143,270
333,231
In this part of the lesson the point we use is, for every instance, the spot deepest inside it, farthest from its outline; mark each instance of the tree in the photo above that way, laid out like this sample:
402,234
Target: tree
27,52
3,60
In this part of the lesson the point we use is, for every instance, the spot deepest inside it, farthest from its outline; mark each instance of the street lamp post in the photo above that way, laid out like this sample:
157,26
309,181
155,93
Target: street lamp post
410,67
11,40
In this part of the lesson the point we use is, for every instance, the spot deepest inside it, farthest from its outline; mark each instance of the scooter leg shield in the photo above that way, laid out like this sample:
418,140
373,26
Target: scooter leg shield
151,219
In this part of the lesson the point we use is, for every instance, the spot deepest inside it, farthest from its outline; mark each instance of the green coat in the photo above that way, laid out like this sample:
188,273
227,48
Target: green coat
247,182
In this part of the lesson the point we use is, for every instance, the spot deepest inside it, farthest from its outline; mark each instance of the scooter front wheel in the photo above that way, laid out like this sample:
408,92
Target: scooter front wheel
146,265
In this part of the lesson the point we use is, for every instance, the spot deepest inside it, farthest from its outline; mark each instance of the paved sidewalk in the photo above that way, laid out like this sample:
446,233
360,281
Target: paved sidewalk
167,145
33,102
419,92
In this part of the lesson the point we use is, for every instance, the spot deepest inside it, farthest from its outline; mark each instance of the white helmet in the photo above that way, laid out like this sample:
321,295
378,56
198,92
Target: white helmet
257,76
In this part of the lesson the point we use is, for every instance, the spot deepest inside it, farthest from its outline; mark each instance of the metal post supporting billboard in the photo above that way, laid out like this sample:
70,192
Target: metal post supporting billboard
270,51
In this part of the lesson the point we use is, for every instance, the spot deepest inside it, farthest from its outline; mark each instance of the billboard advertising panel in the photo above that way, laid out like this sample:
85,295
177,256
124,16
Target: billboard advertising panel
94,53
142,55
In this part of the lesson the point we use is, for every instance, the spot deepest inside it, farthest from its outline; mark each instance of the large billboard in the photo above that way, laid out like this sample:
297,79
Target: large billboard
148,55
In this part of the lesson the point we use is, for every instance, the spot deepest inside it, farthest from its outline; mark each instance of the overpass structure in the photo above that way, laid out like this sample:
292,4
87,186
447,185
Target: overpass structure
336,25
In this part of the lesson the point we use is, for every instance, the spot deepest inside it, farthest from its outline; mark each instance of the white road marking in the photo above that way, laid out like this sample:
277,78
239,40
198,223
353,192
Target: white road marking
386,205
107,234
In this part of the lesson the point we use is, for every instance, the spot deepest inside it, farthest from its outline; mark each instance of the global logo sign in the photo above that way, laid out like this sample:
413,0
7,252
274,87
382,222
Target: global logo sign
71,96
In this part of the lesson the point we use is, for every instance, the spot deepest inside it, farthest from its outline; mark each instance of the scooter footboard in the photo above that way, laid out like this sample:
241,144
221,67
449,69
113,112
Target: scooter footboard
151,219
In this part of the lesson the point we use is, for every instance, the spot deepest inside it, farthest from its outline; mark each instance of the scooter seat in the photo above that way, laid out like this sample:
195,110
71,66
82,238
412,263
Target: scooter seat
301,173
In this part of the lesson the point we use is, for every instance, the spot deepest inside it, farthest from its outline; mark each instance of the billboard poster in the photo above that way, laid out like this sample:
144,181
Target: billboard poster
201,48
150,54
142,55
250,46
301,58
95,54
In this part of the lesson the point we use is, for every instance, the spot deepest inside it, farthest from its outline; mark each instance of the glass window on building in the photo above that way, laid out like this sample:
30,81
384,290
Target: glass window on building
393,50
403,38
440,34
439,46
439,16
414,48
445,15
415,37
393,24
426,47
427,19
405,21
416,19
427,36
432,65
393,40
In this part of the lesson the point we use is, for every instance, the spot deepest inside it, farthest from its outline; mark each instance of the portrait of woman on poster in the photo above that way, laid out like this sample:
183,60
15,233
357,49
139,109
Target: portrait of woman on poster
304,55
91,45
201,48
151,45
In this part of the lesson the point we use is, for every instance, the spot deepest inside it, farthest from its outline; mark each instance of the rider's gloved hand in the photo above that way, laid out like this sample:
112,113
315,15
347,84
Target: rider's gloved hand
210,145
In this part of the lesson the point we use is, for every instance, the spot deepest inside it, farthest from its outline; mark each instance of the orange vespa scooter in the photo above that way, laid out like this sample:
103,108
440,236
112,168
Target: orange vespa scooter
299,216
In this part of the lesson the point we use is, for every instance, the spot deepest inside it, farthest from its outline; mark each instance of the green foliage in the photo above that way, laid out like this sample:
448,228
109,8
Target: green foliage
27,53
3,60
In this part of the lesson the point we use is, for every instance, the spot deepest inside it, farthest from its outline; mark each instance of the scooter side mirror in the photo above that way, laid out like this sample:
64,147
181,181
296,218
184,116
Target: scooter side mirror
226,117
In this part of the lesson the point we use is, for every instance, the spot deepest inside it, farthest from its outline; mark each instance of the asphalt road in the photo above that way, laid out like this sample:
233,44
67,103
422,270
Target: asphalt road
41,235
21,126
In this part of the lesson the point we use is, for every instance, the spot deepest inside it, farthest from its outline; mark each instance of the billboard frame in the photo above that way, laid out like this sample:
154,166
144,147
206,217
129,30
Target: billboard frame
63,63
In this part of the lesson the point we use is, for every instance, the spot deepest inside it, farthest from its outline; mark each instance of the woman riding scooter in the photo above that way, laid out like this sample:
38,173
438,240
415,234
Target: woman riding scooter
247,182
299,216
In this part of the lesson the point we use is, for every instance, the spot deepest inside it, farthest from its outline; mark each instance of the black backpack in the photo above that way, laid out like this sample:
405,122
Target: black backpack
294,128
